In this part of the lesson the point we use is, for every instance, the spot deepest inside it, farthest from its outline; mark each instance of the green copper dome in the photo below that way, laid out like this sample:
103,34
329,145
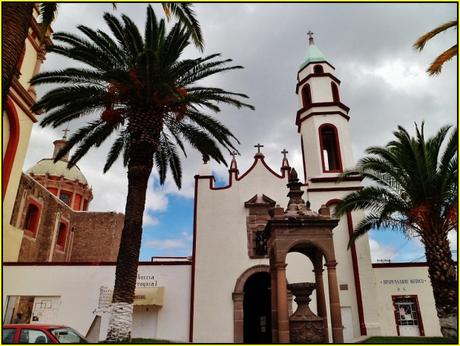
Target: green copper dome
313,55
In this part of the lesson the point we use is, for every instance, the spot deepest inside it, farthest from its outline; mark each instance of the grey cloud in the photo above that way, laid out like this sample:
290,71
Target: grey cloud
269,40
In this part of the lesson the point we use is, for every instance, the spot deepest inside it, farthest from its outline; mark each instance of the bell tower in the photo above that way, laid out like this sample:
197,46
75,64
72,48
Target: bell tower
322,118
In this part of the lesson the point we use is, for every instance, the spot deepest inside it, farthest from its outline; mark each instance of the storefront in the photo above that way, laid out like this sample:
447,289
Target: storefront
405,297
79,296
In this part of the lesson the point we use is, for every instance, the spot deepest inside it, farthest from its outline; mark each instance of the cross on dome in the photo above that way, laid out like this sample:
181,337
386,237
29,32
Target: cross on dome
65,133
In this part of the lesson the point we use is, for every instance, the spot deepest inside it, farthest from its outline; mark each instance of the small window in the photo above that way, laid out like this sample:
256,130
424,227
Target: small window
330,151
62,236
31,220
306,95
65,197
318,69
335,92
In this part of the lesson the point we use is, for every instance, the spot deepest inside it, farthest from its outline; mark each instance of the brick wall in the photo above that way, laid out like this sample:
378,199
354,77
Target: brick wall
91,236
96,236
37,248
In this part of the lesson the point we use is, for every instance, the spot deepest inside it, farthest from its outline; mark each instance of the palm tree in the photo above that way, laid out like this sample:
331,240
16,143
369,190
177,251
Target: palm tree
18,15
149,98
415,191
436,65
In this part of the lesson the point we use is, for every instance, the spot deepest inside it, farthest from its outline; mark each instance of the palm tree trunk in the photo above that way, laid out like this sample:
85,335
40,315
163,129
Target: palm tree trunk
16,18
139,169
442,272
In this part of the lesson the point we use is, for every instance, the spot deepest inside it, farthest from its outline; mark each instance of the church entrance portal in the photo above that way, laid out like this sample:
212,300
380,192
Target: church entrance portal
257,309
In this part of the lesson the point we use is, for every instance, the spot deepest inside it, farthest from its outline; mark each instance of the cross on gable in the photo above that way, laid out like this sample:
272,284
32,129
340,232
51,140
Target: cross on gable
233,153
258,146
284,152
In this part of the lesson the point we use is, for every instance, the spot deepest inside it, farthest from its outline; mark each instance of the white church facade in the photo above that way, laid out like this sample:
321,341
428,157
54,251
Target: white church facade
224,292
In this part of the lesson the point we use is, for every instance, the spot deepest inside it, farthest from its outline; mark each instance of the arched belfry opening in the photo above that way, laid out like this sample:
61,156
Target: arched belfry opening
306,95
330,148
299,229
318,69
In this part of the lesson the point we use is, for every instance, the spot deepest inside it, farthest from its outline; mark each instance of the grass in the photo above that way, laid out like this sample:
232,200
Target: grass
408,340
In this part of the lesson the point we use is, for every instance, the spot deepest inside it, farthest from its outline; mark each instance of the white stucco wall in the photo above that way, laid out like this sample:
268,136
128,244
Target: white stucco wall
78,287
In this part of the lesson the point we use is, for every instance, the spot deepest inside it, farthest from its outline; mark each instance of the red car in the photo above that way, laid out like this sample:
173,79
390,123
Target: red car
40,334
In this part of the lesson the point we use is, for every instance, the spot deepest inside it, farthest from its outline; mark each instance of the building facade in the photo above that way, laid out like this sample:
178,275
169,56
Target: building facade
17,122
222,293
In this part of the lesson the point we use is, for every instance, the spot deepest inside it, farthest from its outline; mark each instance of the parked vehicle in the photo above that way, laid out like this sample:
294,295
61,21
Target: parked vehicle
40,334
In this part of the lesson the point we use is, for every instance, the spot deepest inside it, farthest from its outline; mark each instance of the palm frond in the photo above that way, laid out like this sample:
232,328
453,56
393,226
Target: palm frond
48,12
422,40
416,184
436,66
185,14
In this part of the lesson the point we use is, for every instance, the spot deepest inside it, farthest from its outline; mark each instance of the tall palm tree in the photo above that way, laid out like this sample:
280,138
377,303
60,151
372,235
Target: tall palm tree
16,18
436,65
147,96
415,191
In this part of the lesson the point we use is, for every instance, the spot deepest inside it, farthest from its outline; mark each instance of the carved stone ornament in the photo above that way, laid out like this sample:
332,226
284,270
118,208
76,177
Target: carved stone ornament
304,326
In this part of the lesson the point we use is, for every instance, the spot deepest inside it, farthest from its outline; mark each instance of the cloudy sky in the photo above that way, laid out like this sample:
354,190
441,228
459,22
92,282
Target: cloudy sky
383,82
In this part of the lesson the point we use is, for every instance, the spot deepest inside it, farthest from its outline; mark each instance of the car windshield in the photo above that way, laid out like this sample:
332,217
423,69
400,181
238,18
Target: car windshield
67,335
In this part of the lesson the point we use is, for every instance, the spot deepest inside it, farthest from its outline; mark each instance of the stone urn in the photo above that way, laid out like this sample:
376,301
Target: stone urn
304,326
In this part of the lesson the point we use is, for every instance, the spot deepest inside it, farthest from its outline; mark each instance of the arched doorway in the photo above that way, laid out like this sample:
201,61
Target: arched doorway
257,309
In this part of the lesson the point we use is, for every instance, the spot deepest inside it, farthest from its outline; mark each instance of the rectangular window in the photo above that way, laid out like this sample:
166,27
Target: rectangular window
62,236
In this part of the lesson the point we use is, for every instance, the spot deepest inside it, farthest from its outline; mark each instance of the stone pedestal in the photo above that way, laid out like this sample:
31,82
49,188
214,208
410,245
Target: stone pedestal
304,326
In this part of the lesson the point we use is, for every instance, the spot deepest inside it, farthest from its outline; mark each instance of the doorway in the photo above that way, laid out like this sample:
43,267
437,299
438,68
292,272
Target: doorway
257,309
407,314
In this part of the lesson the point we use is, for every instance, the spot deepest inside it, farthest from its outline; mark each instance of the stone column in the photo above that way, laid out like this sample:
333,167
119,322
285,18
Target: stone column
238,316
283,311
274,294
320,295
334,303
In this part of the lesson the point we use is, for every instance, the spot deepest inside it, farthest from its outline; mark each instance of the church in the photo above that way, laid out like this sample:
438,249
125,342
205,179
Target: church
267,251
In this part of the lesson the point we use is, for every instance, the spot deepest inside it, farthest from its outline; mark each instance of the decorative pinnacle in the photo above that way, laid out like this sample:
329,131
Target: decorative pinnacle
310,38
258,146
293,177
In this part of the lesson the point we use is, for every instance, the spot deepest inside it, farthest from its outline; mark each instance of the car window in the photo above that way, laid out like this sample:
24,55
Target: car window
33,336
68,336
8,335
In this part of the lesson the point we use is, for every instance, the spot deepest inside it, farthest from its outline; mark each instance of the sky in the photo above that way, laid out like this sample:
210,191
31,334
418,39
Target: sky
370,45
